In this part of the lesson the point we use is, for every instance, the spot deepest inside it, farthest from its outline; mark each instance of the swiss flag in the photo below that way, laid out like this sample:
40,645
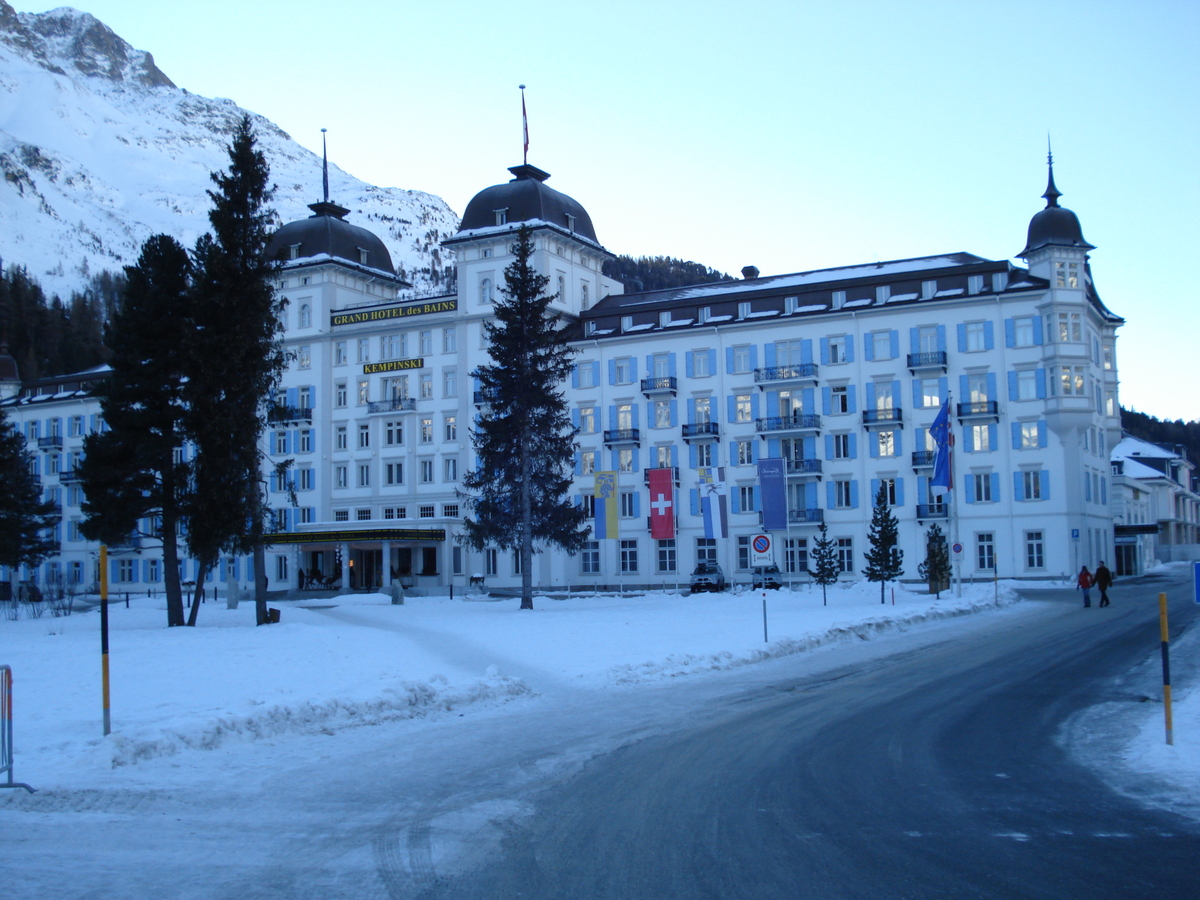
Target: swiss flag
662,504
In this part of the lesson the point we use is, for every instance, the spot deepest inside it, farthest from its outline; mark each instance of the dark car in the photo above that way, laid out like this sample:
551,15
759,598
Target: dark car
768,577
708,577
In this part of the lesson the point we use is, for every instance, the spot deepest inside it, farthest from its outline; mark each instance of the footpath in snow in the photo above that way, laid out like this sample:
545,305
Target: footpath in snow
344,661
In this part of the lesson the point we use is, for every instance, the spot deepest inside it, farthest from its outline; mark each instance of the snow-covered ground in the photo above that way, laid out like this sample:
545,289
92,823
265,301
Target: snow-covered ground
345,661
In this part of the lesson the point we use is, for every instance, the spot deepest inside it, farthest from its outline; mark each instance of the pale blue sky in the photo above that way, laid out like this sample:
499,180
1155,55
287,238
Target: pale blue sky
786,135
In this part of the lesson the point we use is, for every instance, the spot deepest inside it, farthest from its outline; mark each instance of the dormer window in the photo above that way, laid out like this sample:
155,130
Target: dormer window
703,314
626,323
502,216
570,223
362,256
294,251
790,304
744,309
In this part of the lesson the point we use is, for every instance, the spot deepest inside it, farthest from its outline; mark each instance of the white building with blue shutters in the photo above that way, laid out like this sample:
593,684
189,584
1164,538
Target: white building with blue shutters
839,372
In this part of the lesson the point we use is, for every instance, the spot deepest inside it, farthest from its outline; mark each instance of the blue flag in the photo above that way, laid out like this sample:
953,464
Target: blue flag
943,437
772,483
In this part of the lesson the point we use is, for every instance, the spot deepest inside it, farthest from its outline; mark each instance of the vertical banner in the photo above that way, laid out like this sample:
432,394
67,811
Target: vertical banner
662,504
605,493
943,437
772,485
713,503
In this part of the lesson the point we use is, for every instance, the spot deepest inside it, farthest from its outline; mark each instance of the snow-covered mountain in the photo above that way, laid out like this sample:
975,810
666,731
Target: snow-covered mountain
99,149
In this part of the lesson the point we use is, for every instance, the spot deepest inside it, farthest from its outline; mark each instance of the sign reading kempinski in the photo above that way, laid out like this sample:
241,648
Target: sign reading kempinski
393,312
395,365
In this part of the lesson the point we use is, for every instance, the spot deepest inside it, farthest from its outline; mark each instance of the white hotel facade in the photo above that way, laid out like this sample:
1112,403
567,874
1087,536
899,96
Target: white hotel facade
838,371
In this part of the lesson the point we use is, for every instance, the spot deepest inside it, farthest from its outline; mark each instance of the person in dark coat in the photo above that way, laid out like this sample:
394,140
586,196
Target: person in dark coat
1084,583
1103,580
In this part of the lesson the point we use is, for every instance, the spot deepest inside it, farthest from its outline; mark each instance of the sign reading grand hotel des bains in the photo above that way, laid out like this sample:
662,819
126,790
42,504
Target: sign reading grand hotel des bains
358,317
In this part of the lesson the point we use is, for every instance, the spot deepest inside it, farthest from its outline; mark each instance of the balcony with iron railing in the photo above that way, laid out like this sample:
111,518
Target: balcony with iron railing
482,398
979,409
618,436
882,417
797,422
806,516
922,459
804,467
701,431
663,384
50,442
399,404
795,373
277,415
674,470
932,511
68,476
933,359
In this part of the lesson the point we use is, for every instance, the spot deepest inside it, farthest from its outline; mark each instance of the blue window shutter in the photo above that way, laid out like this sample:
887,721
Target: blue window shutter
674,412
1037,330
1010,333
675,455
732,451
575,376
692,456
773,449
874,490
919,438
868,348
691,408
849,349
810,495
689,367
1042,437
899,491
671,364
293,397
637,503
914,340
769,356
944,387
993,388
853,445
575,417
830,495
808,398
917,396
825,400
962,338
1045,478
712,360
753,356
636,461
1012,385
995,479
754,497
634,412
829,446
854,494
731,407
596,372
728,360
899,441
967,492
894,343
612,416
612,371
824,351
872,446
649,365
989,335
1018,486
694,500
1016,435
1041,384
806,356
870,395
754,451
578,462
941,338
968,439
994,436
962,389
922,487
754,405
852,397
735,501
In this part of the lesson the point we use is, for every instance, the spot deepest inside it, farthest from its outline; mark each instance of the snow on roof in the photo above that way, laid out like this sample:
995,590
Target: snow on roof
763,314
676,323
898,298
816,307
862,301
1134,469
1132,446
644,326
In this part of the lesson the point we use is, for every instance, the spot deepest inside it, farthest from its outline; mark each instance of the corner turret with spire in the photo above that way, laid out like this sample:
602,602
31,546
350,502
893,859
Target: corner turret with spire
1054,247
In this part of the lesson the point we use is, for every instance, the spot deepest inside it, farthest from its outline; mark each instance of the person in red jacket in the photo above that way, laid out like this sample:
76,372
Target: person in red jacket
1084,581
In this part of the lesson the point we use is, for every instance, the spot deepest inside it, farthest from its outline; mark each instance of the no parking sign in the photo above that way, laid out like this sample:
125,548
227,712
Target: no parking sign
760,550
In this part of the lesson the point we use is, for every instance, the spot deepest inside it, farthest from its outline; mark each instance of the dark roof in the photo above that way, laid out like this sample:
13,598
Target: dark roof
8,365
526,198
1055,225
326,232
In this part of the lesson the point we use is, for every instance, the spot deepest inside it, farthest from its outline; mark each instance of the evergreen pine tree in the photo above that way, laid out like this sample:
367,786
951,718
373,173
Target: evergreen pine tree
130,471
24,515
936,567
883,558
523,438
824,556
236,360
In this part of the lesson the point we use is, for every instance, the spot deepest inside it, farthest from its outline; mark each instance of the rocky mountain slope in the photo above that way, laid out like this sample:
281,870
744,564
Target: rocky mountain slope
99,149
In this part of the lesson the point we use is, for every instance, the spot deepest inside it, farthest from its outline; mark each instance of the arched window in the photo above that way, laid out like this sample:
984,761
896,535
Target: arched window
562,289
583,298
485,291
305,315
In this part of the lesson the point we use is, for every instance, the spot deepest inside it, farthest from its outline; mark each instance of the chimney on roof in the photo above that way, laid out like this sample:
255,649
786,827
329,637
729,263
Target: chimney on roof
749,272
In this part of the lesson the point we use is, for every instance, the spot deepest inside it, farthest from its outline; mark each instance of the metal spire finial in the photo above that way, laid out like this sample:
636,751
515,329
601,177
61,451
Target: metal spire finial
1052,193
324,166
524,126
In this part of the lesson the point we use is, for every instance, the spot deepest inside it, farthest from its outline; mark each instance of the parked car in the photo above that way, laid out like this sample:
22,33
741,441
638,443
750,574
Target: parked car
768,577
708,577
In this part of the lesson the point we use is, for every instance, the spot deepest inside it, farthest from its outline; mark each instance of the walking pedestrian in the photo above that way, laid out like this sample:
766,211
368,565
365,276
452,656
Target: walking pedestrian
1084,581
1103,581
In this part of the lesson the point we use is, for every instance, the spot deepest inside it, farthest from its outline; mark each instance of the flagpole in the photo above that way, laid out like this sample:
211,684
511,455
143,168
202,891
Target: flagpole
952,509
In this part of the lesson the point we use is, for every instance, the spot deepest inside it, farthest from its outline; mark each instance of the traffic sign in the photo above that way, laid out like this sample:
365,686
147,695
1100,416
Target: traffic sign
956,548
760,545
